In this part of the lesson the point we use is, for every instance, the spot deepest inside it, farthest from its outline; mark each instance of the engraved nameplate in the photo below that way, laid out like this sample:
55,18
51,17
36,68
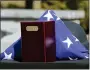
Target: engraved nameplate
32,28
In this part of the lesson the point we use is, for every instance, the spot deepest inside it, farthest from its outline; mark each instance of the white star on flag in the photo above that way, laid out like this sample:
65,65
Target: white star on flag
72,59
86,57
75,38
48,15
58,18
7,57
68,41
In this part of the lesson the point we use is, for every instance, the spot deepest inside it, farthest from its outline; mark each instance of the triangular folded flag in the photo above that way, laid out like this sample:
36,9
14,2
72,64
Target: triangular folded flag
67,45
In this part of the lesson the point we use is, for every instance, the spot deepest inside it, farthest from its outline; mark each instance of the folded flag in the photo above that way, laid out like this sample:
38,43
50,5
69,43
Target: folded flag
67,45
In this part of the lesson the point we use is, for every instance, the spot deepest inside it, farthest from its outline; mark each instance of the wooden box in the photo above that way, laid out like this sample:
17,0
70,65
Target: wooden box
38,41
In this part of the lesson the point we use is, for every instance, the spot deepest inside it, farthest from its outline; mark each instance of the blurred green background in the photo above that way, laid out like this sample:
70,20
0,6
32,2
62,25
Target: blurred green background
51,4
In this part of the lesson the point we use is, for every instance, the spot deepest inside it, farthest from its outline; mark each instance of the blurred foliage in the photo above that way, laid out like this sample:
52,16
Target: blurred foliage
84,5
70,5
12,6
54,4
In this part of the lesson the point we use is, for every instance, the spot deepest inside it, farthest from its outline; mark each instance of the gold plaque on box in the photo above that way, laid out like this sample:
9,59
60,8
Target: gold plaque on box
32,28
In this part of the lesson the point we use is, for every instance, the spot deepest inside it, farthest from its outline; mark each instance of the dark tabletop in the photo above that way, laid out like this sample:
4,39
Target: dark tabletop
79,64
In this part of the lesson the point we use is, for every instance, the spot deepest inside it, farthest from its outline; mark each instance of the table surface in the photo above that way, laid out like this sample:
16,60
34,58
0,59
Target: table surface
79,64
